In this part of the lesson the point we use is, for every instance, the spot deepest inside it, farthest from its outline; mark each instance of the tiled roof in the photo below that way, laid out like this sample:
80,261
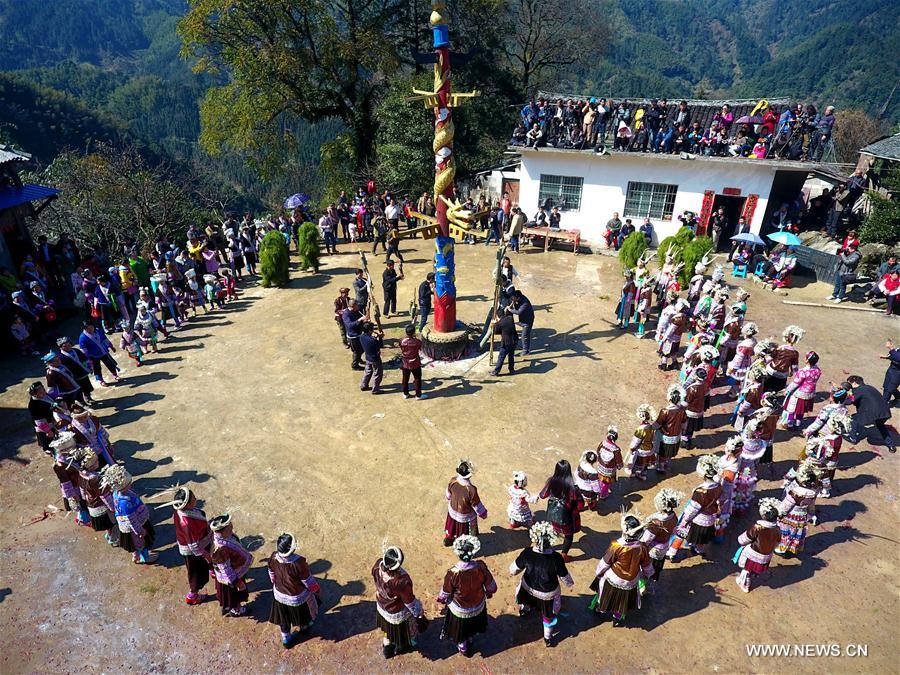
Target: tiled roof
7,154
886,148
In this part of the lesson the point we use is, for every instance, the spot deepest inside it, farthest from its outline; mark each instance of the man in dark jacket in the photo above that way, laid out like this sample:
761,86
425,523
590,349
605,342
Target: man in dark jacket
426,290
846,273
353,322
522,308
506,326
871,409
389,282
372,341
892,375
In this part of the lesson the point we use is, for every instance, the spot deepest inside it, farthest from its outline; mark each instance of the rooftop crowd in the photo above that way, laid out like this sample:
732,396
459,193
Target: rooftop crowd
796,132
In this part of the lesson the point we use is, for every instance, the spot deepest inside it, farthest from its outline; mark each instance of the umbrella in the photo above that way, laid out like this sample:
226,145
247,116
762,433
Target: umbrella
747,119
296,200
749,238
786,238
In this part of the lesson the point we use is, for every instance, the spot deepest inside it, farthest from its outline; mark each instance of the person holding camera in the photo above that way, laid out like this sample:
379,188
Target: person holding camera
850,259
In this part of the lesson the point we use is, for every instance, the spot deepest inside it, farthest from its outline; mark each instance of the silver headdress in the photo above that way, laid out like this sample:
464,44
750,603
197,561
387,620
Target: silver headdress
839,423
734,445
542,534
749,329
520,478
768,505
667,499
675,393
466,546
645,412
707,466
115,477
708,353
793,333
63,443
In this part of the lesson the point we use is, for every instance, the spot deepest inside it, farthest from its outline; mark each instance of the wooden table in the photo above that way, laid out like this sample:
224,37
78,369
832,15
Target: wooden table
549,233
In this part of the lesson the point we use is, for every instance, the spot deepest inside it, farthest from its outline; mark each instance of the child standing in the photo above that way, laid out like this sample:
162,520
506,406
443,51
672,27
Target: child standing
132,344
230,285
643,443
148,326
518,511
23,336
609,460
587,478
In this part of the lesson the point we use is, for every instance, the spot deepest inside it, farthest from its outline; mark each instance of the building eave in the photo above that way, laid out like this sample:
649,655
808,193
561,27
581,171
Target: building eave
781,164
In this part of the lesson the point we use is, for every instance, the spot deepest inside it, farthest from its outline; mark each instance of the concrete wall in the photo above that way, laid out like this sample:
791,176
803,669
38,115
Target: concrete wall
606,184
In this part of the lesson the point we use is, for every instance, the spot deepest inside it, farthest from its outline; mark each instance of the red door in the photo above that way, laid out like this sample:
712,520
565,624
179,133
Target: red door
511,187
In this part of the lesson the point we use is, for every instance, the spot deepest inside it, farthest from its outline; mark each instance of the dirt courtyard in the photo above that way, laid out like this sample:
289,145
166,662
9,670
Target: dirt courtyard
257,409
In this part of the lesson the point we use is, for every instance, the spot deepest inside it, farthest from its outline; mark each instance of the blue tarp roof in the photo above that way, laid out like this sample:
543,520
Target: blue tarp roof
12,196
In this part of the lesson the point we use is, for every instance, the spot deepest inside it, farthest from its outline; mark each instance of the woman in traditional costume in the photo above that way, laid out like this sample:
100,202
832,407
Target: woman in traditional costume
797,510
136,533
743,356
231,561
643,443
782,362
67,474
194,539
542,569
658,531
295,591
564,505
400,614
697,524
746,479
620,570
758,544
464,505
670,422
801,392
728,467
99,502
467,587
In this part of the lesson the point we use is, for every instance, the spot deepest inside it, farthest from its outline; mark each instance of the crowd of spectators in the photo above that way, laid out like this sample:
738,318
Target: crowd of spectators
798,132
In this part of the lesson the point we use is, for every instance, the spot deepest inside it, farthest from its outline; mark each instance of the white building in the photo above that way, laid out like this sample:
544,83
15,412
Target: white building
589,187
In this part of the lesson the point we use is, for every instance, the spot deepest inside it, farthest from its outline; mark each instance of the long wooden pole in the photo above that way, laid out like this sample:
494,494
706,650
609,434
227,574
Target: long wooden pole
822,304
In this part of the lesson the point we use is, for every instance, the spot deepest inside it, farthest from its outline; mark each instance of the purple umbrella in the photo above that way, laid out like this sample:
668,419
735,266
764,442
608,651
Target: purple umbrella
296,201
747,119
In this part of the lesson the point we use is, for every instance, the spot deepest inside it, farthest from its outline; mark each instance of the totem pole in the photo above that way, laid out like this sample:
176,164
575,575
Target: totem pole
447,208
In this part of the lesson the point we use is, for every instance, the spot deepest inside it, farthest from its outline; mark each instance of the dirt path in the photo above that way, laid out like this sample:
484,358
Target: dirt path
258,409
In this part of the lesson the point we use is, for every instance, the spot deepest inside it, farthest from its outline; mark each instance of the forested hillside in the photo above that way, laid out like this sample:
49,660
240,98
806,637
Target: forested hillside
841,51
110,69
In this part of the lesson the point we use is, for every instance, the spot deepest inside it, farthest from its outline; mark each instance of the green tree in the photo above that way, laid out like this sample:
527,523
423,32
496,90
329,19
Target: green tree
882,224
313,59
113,193
632,248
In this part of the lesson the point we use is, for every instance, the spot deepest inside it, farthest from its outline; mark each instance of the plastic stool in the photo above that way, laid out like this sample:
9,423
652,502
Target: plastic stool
739,271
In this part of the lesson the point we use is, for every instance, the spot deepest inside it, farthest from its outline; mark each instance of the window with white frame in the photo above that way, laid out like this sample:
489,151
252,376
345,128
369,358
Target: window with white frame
563,192
650,200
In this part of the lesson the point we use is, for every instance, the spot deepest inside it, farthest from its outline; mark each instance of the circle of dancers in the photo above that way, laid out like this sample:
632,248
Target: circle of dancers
773,385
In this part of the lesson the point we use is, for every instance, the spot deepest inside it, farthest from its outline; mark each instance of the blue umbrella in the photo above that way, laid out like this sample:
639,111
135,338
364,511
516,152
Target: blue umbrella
297,200
749,238
786,238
